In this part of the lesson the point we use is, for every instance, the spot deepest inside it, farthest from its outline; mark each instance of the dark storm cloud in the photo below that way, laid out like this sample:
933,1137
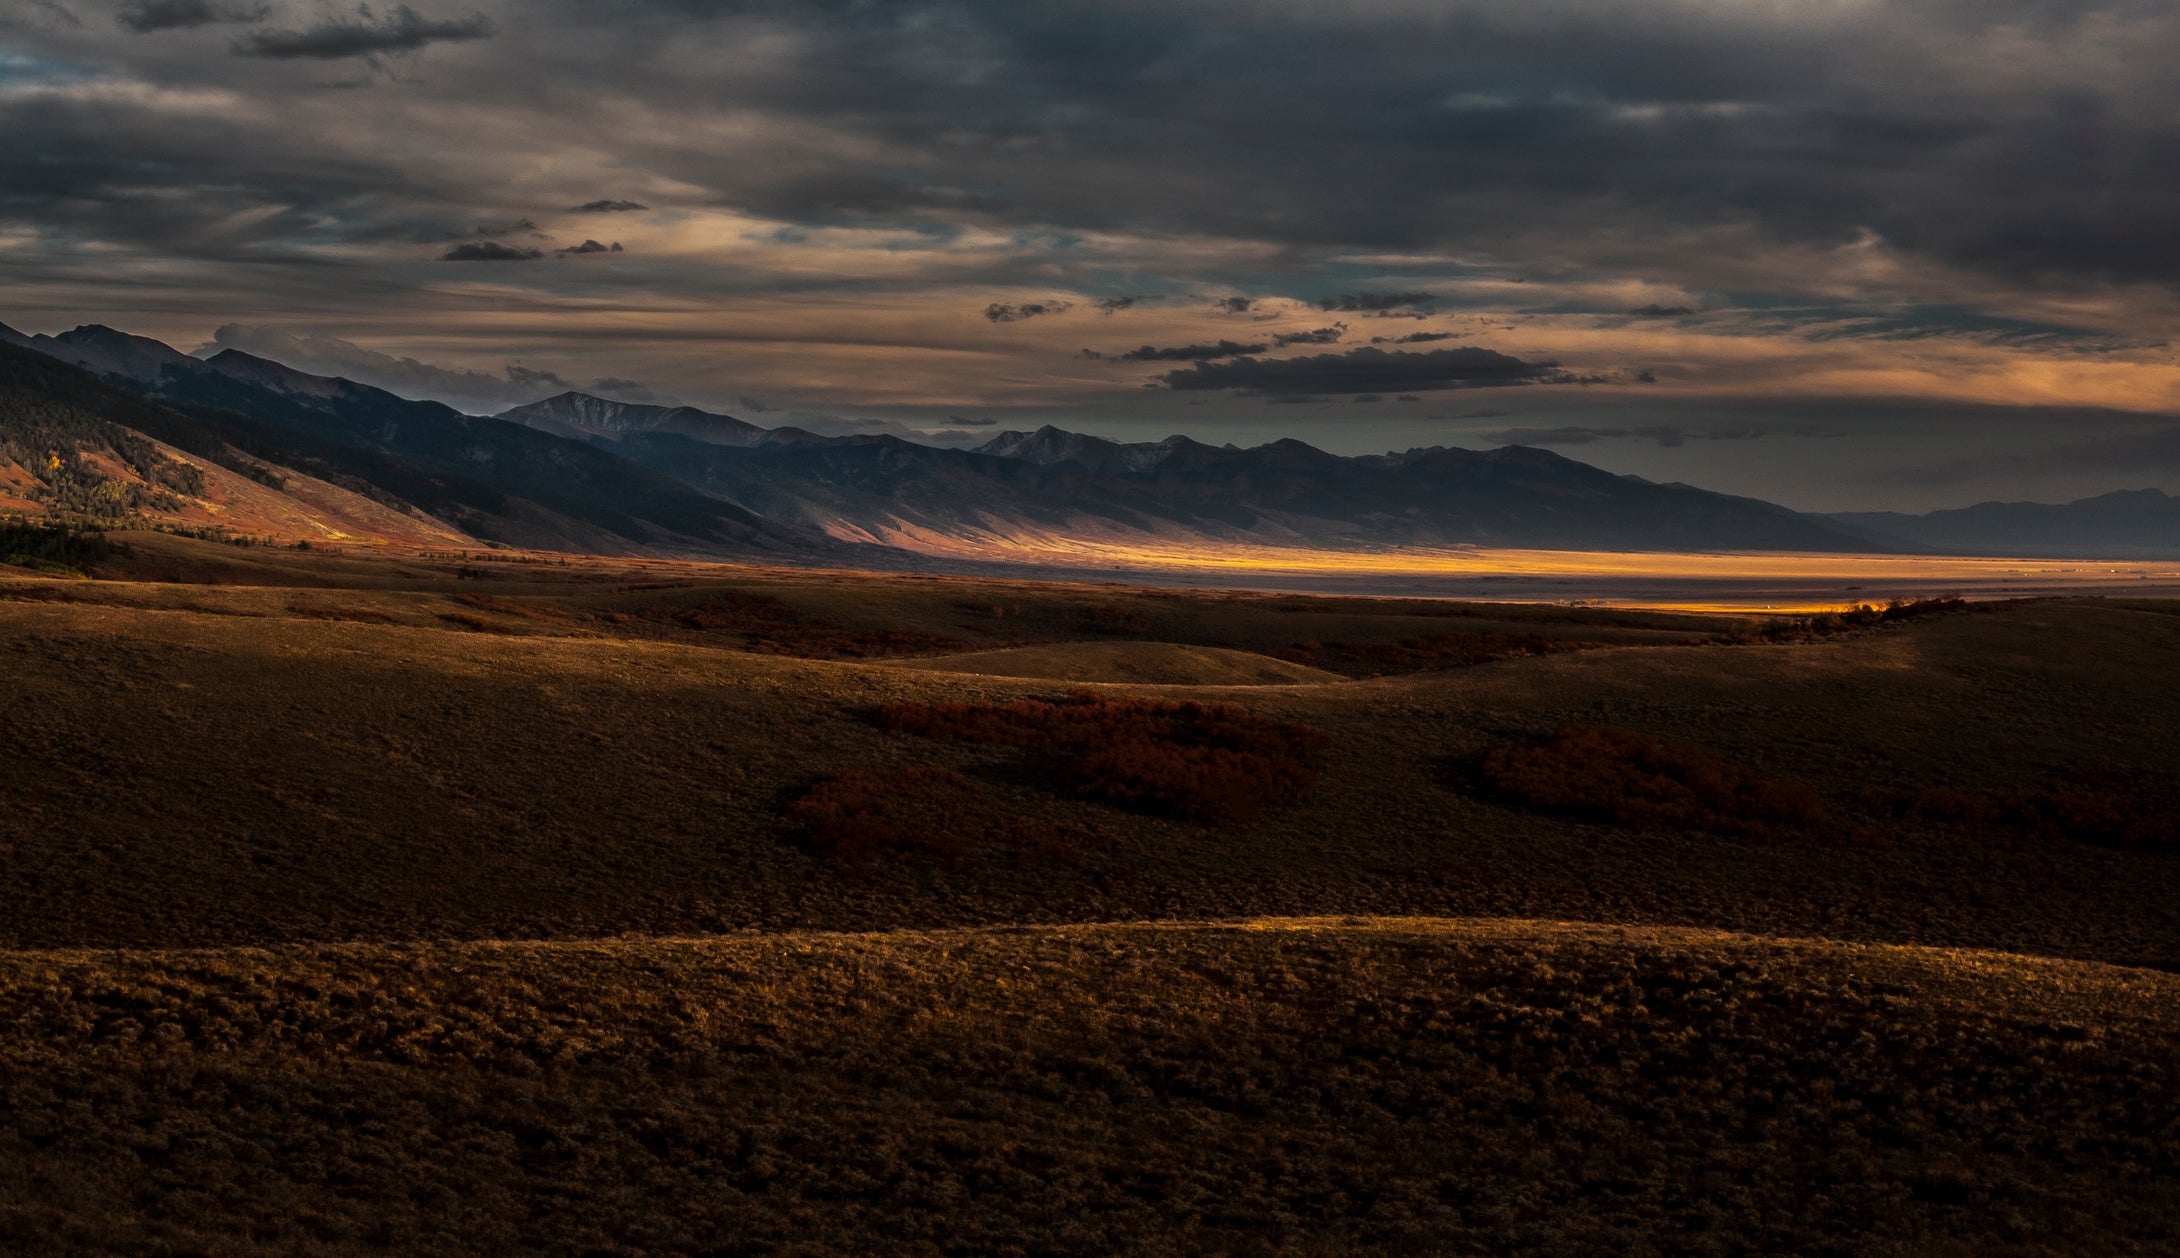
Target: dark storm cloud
1000,312
146,16
1619,137
1317,336
1372,302
1661,434
1369,370
610,207
402,30
590,246
489,251
1413,338
1190,353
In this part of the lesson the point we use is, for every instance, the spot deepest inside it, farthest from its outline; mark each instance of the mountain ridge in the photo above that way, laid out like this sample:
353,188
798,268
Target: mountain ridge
2121,524
581,472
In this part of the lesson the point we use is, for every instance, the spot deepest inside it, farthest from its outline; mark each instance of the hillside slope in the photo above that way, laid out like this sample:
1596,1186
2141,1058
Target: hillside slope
494,481
74,446
1289,1086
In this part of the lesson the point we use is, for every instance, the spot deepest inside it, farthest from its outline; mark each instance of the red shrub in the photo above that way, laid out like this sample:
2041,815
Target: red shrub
864,813
1620,776
2106,818
1200,761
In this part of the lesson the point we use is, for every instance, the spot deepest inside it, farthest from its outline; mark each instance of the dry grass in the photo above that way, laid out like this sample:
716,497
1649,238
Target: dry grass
1288,1087
1421,654
862,814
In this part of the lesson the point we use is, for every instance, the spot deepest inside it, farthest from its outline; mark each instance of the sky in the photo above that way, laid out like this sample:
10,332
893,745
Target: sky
1839,254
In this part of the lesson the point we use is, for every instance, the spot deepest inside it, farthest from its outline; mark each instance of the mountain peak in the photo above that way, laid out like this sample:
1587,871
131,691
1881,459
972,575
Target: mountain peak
96,347
238,365
586,415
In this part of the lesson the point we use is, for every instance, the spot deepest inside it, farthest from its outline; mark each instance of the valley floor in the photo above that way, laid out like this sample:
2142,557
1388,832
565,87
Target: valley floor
409,903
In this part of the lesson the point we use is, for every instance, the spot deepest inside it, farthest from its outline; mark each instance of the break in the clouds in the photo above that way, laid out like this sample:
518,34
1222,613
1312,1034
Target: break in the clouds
1886,210
1368,371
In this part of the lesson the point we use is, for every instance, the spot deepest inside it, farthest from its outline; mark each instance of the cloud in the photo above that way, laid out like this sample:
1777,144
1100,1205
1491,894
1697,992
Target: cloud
1190,353
533,378
984,421
489,251
1368,370
1413,338
1233,305
1662,434
609,207
1656,311
1367,302
1110,304
590,246
754,406
477,392
1000,312
402,31
146,16
1319,336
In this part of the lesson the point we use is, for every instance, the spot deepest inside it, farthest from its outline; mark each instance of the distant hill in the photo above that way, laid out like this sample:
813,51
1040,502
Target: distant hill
2128,524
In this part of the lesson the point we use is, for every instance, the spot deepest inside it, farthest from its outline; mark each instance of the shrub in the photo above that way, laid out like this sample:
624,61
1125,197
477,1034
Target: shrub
1199,761
1620,776
55,549
2103,818
865,813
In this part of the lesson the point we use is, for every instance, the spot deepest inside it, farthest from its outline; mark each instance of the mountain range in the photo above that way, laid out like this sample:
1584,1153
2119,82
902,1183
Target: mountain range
577,472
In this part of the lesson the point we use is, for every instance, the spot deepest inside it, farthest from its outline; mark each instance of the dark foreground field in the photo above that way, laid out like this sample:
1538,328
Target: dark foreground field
1272,1087
450,904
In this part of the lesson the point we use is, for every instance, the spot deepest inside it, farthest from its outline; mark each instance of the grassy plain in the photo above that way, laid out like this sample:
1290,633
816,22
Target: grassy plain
371,901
